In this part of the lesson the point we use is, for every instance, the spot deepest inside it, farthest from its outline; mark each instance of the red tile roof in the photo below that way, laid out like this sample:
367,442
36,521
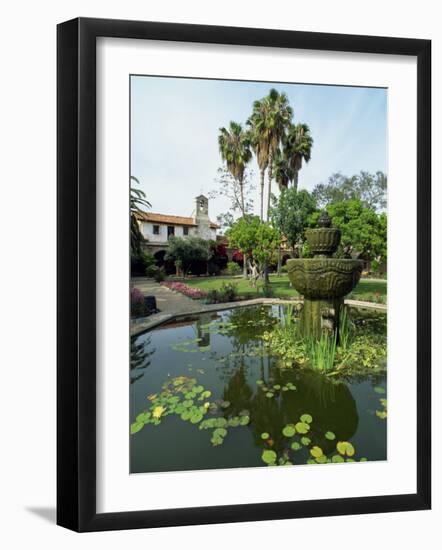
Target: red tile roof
169,219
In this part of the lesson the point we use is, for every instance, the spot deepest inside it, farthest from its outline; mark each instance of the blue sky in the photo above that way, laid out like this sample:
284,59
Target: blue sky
175,123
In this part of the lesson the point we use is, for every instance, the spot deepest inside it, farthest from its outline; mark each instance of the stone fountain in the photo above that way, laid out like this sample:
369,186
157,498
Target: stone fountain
323,280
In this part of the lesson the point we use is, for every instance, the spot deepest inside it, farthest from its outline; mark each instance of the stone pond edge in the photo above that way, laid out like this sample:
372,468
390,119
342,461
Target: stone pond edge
144,324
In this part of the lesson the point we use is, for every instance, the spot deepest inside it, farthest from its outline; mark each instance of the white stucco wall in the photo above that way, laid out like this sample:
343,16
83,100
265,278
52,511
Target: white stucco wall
147,230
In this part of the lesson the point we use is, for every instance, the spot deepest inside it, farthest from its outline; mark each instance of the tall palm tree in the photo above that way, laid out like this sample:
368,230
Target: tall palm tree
282,170
269,120
234,146
260,147
298,145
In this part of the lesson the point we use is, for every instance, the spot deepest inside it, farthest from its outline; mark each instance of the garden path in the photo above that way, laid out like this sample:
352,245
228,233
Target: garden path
168,301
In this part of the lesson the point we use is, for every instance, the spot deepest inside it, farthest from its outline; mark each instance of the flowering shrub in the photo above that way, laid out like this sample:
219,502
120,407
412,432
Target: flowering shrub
137,306
194,293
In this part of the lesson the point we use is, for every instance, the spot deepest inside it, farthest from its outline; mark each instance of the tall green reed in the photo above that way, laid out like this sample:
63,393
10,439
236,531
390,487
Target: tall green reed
322,352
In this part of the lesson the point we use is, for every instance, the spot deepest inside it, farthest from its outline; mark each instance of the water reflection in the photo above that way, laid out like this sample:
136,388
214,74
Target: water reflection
140,353
228,358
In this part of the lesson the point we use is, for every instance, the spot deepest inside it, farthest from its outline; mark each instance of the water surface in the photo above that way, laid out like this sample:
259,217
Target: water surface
225,353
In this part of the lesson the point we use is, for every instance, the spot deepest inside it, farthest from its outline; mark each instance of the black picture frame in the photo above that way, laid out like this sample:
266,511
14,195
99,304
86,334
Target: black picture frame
76,273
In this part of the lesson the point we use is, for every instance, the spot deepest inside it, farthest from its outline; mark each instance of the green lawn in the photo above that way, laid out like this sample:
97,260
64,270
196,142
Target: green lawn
367,290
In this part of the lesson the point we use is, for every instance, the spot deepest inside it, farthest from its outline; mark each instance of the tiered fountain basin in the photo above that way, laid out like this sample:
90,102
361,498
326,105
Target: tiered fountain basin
323,280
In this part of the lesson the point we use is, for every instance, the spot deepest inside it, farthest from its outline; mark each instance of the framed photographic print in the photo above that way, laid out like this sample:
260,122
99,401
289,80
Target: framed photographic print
243,274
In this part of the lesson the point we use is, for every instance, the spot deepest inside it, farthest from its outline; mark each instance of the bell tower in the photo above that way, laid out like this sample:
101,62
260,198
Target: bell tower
202,206
202,216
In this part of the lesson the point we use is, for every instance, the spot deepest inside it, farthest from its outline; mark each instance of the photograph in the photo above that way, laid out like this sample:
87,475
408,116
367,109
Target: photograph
258,289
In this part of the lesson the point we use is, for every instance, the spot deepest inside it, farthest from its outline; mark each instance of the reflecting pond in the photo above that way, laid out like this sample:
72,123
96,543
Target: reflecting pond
207,393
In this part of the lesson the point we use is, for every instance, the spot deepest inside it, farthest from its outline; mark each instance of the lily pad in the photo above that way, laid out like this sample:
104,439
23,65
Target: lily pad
316,452
268,456
265,435
269,394
321,459
196,417
345,448
330,436
296,446
220,422
306,441
302,427
337,458
289,430
220,432
136,427
306,418
143,417
379,389
244,420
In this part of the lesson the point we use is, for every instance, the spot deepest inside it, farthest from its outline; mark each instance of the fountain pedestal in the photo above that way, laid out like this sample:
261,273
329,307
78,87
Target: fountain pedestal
323,280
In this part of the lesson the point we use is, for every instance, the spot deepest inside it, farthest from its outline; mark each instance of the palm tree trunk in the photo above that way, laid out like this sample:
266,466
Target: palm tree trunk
241,191
263,171
295,179
270,184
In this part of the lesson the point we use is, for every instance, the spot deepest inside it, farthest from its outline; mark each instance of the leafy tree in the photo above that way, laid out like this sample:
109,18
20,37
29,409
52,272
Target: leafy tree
371,189
298,145
234,146
363,231
291,212
137,200
270,118
256,239
185,252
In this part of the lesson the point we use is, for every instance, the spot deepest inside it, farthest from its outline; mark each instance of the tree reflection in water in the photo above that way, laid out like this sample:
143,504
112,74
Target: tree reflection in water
330,403
140,353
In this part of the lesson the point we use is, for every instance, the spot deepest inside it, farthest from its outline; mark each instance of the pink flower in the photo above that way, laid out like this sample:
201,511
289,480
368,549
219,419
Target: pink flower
190,292
136,296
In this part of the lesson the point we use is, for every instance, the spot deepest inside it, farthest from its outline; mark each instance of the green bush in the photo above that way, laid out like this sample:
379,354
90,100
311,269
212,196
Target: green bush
152,270
212,296
228,292
160,275
232,268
